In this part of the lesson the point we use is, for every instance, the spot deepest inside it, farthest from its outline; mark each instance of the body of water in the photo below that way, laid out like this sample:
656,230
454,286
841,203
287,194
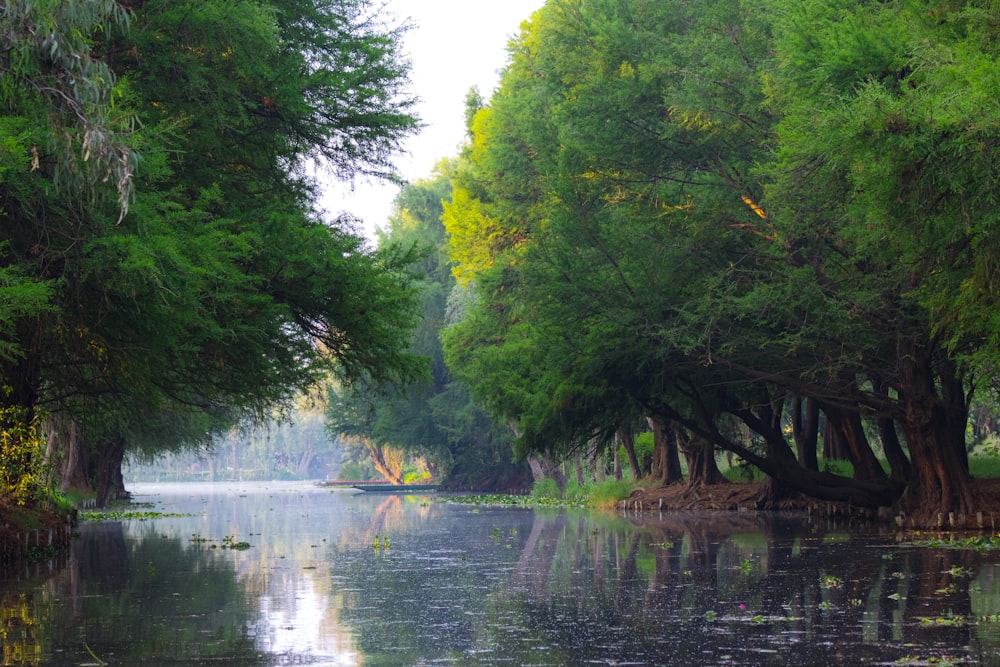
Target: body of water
291,574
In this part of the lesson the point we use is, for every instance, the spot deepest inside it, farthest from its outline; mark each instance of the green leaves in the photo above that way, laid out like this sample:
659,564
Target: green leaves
220,291
51,72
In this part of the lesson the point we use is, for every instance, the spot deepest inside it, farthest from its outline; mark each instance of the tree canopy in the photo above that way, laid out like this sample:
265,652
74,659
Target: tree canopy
435,419
162,241
712,213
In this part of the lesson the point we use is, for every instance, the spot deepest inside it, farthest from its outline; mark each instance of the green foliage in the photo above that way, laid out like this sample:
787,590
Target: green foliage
643,448
22,478
976,543
608,493
51,75
696,211
546,489
602,495
580,321
574,491
985,467
505,500
167,270
436,419
355,471
126,515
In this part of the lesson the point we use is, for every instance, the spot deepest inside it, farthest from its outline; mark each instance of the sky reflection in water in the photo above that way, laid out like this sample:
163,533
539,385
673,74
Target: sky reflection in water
338,578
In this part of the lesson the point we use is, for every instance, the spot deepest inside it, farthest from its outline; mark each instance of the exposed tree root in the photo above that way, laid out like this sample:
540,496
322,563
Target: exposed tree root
756,496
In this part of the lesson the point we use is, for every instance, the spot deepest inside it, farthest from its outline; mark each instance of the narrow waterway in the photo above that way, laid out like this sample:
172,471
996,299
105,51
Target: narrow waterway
292,574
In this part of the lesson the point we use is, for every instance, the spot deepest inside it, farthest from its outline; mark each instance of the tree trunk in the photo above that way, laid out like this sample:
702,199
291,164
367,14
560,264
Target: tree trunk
625,437
666,458
772,491
109,464
834,447
387,462
65,453
597,463
848,427
543,466
899,464
805,430
780,463
933,424
700,456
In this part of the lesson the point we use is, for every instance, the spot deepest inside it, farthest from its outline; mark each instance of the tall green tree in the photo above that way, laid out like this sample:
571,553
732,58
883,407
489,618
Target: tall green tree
883,191
639,161
224,290
435,419
715,212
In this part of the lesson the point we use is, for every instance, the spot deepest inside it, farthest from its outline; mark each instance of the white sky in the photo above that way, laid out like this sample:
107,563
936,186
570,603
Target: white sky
453,46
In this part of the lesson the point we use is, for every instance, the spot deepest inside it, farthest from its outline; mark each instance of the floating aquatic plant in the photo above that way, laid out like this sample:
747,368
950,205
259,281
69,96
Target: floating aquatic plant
229,542
127,515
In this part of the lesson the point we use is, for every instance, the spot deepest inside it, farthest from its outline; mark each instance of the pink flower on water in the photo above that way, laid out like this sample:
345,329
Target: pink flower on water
742,606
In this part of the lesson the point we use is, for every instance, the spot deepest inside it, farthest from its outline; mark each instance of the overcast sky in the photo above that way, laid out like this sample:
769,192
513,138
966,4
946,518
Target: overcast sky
454,45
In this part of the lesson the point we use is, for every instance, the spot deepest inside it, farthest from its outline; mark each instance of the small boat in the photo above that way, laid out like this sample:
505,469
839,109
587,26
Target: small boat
347,484
385,487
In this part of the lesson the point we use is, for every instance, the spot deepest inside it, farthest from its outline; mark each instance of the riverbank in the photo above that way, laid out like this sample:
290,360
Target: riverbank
748,496
28,534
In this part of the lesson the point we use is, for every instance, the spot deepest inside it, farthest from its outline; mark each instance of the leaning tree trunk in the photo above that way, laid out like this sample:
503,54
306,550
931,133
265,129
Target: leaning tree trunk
899,464
834,447
388,462
597,463
847,425
543,466
780,464
625,438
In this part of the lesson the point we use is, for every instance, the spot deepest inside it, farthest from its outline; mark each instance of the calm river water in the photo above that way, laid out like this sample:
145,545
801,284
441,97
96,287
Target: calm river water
340,578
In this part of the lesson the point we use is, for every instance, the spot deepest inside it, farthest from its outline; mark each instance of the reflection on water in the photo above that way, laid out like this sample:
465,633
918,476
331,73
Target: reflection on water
335,578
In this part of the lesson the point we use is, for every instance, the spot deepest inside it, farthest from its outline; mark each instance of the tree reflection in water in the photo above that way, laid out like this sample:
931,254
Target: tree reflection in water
683,589
130,600
339,579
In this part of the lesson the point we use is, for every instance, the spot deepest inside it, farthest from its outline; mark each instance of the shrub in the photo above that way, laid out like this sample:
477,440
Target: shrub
353,472
546,488
608,493
21,456
576,492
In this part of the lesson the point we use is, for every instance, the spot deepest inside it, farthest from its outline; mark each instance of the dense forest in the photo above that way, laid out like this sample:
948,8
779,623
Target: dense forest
757,229
736,221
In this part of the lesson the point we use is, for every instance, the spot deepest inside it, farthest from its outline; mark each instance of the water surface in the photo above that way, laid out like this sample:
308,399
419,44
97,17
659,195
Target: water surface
340,578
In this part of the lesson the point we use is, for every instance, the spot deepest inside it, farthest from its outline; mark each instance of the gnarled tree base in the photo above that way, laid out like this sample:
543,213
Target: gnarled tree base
748,496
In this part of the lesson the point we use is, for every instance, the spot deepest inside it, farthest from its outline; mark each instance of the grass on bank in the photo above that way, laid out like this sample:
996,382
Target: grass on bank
594,495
